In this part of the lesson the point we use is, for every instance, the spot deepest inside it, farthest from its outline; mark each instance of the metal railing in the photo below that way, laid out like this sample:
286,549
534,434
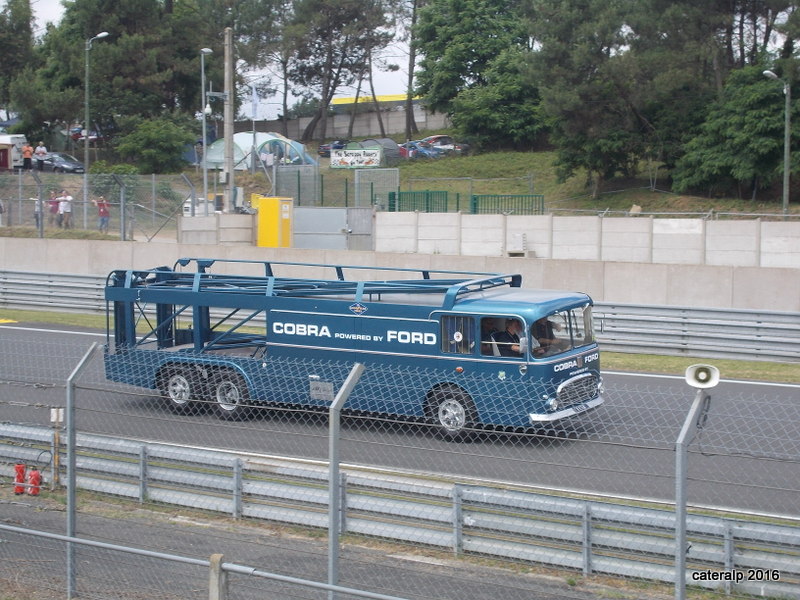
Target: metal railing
218,584
590,536
646,329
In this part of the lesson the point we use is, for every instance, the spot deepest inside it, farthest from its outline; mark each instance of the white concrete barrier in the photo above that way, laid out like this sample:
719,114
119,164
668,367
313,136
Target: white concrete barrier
735,243
712,286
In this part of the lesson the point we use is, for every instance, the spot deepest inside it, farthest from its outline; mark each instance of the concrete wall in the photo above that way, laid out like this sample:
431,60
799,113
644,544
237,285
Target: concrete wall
217,228
365,125
720,286
751,243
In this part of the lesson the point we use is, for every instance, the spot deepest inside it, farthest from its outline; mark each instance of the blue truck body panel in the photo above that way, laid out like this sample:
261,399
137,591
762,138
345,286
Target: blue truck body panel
269,329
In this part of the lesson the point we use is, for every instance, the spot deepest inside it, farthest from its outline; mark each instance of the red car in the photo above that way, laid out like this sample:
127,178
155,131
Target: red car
76,133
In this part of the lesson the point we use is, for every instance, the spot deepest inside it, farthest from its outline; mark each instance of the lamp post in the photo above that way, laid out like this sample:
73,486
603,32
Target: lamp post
205,109
87,127
787,132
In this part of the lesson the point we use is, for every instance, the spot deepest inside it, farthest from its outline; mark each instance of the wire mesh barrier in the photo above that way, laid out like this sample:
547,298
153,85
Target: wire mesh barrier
166,466
430,201
137,207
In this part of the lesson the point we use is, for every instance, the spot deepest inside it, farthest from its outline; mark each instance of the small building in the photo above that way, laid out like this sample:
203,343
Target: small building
11,151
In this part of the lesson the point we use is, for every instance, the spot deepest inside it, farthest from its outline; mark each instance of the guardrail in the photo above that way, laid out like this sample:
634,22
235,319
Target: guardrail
662,330
590,536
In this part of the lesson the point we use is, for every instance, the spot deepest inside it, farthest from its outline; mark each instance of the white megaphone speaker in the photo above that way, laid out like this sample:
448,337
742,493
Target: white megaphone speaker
702,376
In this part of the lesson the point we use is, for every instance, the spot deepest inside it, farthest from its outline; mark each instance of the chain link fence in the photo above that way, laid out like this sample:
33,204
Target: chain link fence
141,206
580,509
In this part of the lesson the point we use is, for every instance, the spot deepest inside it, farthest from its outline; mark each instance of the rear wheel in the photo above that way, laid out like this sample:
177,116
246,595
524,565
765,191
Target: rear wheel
231,396
453,413
178,385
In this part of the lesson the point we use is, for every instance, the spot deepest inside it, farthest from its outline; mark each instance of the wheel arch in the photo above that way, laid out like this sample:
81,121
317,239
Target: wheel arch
210,366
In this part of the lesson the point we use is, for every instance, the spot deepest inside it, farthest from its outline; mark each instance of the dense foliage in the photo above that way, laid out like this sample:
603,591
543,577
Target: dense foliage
608,84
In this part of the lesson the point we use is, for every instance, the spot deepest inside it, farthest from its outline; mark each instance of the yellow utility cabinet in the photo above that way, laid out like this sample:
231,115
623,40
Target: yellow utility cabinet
274,221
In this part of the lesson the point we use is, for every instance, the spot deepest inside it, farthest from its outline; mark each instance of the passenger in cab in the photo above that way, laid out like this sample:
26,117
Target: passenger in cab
488,331
508,340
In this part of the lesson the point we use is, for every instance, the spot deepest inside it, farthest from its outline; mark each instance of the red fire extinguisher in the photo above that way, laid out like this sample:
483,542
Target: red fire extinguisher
34,481
19,479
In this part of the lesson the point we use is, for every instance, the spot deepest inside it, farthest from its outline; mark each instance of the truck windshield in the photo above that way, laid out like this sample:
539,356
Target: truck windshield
563,330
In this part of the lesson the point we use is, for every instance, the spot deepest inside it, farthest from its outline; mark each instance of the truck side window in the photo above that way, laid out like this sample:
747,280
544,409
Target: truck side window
458,334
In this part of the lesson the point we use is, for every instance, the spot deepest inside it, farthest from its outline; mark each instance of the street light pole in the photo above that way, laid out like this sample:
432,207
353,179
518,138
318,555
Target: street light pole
203,52
87,127
787,138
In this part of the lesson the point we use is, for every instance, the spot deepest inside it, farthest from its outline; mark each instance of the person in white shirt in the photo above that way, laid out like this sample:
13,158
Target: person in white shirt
40,153
65,209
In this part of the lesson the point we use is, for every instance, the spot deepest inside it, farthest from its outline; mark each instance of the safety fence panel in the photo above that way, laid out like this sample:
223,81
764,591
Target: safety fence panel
426,201
564,498
301,182
373,186
510,204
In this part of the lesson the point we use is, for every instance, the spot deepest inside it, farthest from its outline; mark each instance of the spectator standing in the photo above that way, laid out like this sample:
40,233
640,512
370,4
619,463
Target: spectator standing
65,210
37,211
103,213
41,153
27,156
52,209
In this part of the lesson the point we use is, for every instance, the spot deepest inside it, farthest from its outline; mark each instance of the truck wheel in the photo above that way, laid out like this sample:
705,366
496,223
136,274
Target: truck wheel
232,398
177,385
453,414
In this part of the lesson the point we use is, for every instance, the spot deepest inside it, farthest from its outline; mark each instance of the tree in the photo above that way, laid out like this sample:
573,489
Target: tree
337,39
156,145
740,145
407,13
16,39
458,41
505,111
281,52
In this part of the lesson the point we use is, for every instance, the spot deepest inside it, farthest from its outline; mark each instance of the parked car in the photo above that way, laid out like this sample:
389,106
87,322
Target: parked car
419,149
446,144
325,149
76,133
60,162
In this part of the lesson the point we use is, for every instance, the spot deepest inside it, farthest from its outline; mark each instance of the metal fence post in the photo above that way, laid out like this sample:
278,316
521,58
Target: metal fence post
71,461
587,539
122,206
458,520
237,488
142,474
334,482
700,377
730,554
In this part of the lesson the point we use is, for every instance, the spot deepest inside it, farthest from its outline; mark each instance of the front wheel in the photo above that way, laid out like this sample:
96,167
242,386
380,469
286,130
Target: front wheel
453,414
231,396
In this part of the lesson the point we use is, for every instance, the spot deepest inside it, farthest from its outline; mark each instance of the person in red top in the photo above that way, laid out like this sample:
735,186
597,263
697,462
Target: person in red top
27,155
103,213
52,206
